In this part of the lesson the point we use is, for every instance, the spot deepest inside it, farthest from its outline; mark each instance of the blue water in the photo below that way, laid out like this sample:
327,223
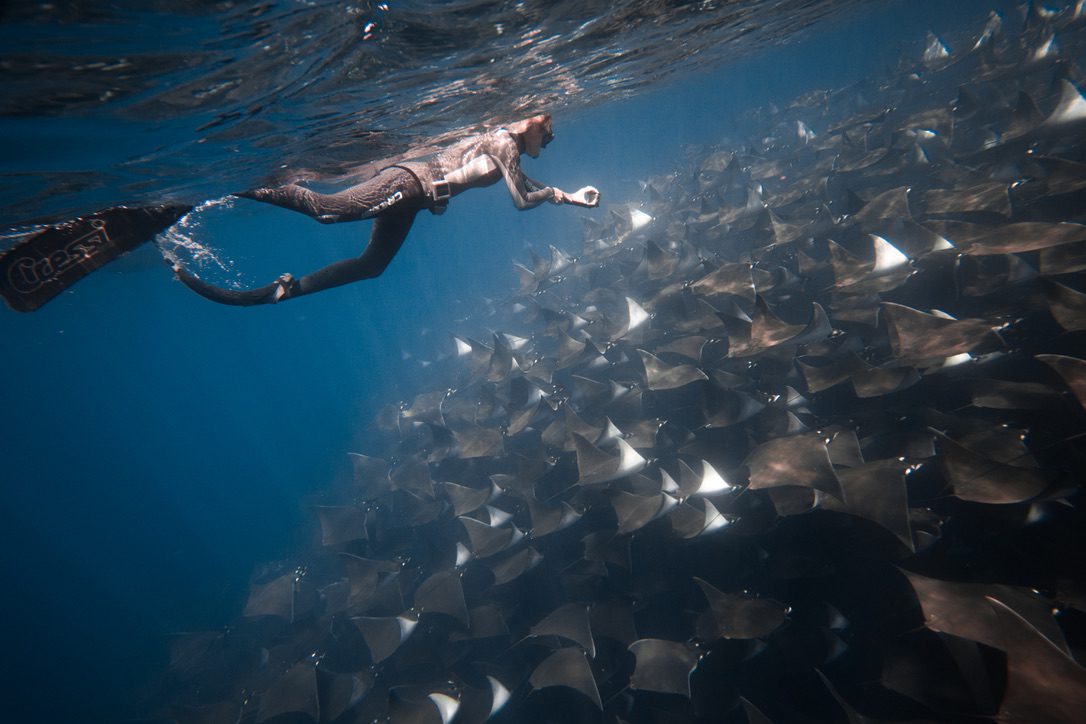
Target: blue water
158,448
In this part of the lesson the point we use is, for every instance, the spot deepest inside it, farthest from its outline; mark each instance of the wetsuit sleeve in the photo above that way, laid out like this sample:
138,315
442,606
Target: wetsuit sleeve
508,160
533,185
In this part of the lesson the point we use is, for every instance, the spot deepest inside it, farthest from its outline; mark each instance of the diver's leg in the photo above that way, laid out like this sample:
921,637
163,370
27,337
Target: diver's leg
267,294
389,232
298,198
360,201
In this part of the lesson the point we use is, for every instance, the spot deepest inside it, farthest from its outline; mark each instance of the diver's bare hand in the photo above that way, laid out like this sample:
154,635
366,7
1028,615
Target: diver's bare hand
589,196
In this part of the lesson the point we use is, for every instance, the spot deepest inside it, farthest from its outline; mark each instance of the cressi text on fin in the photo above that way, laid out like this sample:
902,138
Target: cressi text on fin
42,266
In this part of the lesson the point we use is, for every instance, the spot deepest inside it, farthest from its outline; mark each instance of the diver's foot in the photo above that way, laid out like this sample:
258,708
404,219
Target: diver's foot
285,286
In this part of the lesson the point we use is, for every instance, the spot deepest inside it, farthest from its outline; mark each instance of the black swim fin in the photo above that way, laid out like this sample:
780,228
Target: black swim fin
42,266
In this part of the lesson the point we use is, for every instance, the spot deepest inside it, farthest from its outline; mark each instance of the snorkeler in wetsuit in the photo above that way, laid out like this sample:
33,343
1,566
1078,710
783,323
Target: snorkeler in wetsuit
395,196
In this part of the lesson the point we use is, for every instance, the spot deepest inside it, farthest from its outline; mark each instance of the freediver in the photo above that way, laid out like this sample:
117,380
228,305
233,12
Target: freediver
53,258
394,196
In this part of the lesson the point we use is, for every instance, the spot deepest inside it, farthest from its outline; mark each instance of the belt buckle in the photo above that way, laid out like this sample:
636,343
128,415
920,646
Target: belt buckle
441,191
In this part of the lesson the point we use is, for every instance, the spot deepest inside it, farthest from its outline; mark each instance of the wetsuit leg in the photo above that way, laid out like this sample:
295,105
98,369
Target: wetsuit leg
389,232
267,294
394,197
358,202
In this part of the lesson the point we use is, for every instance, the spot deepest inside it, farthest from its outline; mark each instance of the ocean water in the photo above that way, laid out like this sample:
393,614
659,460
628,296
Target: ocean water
159,449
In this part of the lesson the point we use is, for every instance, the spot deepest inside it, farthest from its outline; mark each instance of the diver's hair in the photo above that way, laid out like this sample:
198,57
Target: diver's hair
542,118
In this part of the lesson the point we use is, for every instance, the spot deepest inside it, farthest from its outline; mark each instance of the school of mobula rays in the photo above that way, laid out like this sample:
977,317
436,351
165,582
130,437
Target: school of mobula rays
799,437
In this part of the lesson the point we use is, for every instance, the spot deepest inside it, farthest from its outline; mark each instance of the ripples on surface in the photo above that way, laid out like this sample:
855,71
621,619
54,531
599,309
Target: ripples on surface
145,100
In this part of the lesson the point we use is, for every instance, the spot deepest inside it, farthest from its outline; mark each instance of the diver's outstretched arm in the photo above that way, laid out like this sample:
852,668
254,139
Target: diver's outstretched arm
515,181
388,235
527,193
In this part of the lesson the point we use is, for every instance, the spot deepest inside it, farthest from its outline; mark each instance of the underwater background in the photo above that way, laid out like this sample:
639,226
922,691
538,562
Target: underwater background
157,448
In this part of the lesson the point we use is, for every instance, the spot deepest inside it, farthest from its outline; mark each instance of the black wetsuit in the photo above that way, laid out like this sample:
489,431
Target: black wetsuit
392,199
